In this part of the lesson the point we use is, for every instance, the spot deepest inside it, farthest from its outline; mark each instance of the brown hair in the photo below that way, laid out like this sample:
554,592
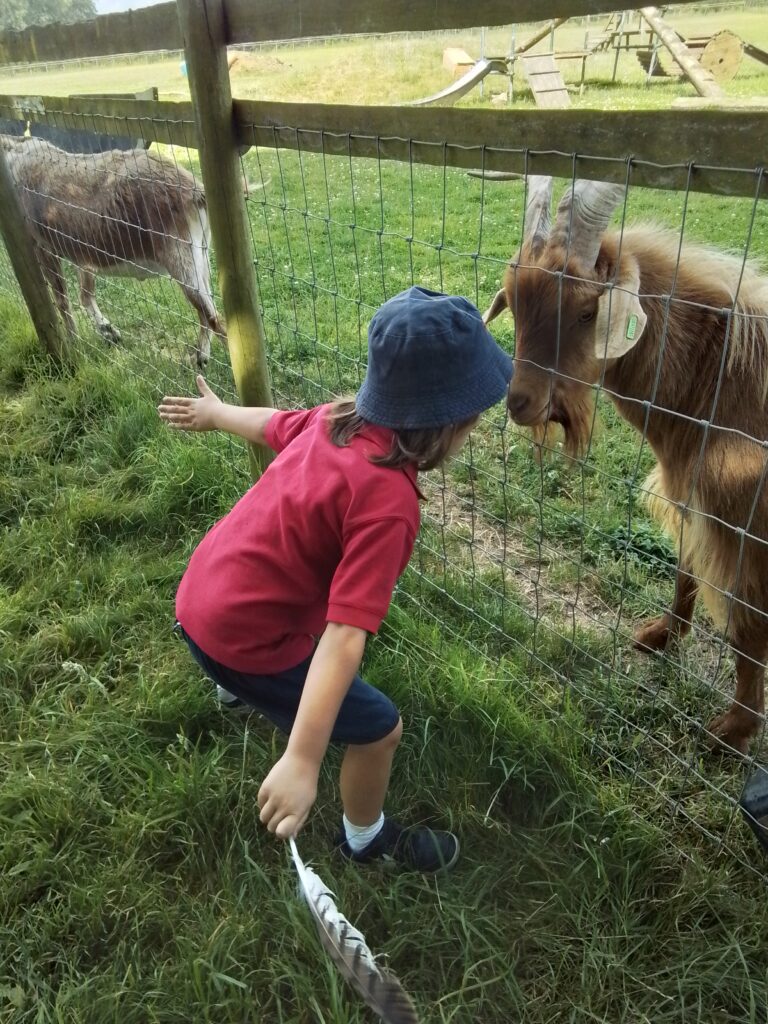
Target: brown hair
426,446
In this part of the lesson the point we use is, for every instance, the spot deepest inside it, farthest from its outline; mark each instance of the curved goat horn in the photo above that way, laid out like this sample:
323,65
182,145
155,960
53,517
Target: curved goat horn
583,216
537,212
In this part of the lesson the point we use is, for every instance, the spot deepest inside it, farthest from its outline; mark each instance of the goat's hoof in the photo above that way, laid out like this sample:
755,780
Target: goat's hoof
653,635
197,360
110,334
729,733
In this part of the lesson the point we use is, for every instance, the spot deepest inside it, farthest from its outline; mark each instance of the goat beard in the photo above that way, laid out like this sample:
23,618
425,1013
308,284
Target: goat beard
575,417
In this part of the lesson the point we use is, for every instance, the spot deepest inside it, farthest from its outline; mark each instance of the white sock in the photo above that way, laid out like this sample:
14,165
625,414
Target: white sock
224,696
358,836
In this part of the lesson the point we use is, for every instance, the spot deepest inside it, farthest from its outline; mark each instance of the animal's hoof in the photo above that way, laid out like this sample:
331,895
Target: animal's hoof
197,359
653,635
729,733
110,334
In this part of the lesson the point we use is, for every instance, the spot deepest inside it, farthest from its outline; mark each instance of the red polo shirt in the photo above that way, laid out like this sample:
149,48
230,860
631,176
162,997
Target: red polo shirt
321,537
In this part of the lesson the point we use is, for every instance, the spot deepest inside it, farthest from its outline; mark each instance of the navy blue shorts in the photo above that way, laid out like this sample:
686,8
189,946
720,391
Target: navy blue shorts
366,715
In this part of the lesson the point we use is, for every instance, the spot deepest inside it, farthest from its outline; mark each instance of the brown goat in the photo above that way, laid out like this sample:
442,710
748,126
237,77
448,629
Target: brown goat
131,213
678,339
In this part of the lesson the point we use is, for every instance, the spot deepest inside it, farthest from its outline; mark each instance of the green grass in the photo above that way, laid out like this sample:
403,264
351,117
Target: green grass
606,873
136,883
136,873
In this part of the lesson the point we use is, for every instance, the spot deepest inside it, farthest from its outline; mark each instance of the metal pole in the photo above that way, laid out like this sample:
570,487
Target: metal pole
482,55
618,46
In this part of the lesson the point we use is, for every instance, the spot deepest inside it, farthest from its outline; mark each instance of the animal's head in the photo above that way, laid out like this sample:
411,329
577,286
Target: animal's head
574,296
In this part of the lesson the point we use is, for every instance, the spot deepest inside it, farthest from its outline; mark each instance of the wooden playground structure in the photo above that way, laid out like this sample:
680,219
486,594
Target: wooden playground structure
706,61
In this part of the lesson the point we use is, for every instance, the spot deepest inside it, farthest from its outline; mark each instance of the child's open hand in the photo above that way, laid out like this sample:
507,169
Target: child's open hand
191,413
287,795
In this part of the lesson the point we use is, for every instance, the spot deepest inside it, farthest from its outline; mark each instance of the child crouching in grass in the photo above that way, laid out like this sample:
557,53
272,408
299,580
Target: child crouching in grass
279,597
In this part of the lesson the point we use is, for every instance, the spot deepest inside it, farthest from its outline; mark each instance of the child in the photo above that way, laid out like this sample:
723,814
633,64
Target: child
314,550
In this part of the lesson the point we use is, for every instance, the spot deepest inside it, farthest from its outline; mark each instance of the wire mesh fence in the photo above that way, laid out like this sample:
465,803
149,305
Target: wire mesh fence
9,287
530,551
103,222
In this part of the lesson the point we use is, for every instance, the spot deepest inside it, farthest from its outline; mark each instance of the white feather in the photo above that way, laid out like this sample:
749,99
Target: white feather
348,949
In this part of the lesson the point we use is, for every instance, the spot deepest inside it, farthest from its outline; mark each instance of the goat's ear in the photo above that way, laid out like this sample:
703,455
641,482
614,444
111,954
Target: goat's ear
620,319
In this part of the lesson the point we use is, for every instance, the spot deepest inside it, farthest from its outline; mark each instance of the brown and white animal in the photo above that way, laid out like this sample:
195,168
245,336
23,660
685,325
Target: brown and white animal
131,213
678,339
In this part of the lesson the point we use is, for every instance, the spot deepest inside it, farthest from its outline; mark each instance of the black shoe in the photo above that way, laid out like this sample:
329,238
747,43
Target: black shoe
417,849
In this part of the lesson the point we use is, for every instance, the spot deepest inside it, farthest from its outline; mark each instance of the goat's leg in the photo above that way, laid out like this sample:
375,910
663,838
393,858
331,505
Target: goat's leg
107,330
51,266
656,634
736,727
188,266
498,305
209,321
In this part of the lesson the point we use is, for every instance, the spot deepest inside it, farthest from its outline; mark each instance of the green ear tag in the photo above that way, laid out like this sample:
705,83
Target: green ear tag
631,327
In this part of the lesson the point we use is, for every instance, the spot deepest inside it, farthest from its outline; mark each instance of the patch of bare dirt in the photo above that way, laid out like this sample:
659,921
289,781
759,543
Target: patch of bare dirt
473,541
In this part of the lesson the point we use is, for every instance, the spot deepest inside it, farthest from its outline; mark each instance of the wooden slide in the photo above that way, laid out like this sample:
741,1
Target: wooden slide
463,85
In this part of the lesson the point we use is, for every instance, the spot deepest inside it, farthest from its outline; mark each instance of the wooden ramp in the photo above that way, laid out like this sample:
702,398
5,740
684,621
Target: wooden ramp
545,80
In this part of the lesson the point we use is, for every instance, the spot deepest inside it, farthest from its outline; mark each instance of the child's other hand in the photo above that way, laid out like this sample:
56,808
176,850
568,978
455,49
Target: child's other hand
287,795
191,413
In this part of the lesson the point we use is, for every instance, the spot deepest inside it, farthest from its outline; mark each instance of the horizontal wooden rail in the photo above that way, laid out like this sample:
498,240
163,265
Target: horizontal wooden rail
157,28
671,149
599,144
153,120
292,19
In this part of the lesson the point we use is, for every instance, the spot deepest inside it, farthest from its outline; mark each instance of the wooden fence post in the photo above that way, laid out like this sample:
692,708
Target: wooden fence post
26,265
205,47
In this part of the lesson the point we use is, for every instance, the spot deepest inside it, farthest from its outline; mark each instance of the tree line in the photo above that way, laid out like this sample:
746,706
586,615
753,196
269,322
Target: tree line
18,14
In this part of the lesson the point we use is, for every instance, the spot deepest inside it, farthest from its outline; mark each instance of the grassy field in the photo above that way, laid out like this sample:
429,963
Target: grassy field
137,885
606,876
402,68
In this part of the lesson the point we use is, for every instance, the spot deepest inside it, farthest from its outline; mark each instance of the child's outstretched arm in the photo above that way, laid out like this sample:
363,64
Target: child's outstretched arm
287,794
209,413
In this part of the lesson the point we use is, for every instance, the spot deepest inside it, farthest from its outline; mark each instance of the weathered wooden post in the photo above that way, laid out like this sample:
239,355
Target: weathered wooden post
26,265
205,47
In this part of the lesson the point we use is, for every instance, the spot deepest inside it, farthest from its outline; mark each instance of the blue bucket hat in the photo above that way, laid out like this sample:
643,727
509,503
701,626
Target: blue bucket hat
431,362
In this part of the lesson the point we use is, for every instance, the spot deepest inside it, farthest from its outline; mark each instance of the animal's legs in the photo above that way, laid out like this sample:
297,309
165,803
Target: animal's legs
187,263
656,634
88,301
740,723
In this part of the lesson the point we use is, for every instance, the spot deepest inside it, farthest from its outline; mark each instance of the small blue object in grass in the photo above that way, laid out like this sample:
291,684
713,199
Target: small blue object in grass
754,804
